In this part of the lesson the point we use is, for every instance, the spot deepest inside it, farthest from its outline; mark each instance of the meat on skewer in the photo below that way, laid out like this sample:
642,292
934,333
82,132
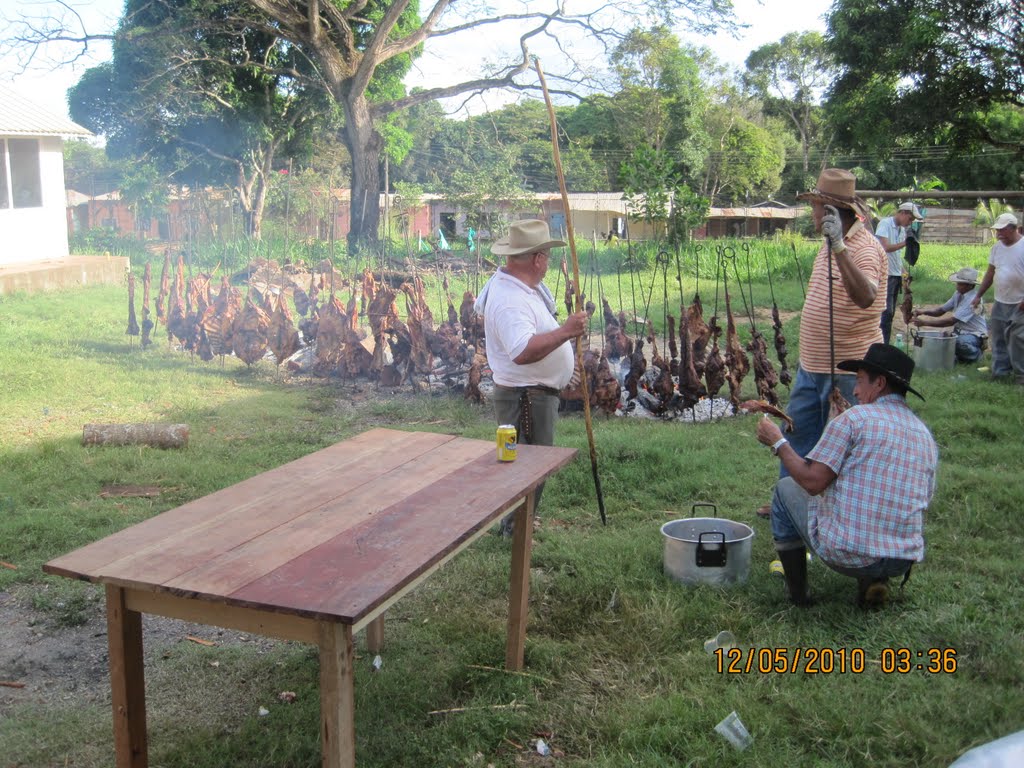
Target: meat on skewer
133,324
714,368
907,306
765,377
690,387
700,334
836,403
736,362
780,347
147,323
761,406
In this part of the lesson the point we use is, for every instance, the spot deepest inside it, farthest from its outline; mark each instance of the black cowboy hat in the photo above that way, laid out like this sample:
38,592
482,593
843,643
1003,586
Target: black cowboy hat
888,360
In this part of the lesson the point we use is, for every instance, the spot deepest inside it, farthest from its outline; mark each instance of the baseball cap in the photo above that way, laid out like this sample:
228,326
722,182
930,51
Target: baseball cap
1004,220
915,212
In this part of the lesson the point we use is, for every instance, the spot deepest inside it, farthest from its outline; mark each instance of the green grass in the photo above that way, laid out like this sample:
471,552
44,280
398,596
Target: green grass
615,669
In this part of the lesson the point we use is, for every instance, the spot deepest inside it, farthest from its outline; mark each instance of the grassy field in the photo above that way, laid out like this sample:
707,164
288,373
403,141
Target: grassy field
616,671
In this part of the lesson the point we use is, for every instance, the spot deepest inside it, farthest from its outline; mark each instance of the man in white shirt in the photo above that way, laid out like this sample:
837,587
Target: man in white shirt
892,234
1006,270
967,320
529,353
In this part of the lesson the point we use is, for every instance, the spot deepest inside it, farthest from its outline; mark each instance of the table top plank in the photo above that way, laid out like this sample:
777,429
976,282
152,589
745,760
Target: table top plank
256,557
261,502
348,576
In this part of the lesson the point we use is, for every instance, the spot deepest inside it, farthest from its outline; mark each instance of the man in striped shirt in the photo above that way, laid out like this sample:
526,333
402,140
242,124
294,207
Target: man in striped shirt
858,499
845,317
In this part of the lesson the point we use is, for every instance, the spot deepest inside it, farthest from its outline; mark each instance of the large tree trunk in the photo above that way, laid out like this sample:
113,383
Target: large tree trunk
364,144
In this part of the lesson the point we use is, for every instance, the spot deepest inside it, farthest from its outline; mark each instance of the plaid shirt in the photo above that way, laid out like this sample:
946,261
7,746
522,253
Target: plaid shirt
884,458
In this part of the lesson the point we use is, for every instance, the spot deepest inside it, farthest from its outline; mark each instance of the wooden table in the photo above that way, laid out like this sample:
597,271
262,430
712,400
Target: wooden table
313,551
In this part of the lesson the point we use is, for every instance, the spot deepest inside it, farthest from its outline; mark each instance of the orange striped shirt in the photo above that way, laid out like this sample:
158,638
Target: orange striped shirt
856,329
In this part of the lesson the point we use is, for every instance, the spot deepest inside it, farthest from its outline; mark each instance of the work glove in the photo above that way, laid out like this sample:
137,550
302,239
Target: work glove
832,228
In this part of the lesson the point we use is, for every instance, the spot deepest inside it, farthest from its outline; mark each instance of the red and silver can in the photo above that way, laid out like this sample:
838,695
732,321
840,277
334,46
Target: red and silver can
506,440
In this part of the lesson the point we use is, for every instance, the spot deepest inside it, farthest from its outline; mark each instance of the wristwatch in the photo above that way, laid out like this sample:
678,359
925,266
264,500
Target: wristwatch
778,444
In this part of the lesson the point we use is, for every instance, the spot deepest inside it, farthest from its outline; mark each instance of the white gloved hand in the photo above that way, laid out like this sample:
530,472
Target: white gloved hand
832,228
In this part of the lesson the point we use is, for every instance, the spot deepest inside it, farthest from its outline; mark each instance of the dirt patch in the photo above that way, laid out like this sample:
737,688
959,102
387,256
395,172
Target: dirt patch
68,664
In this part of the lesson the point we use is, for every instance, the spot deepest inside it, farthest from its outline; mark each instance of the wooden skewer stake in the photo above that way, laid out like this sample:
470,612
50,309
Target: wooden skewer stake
576,287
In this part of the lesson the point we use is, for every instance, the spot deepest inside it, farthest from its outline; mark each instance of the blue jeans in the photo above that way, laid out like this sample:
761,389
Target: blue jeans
893,287
968,348
808,408
789,529
1006,329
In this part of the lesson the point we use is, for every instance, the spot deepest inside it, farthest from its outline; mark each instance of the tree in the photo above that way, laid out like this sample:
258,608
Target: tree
912,67
351,44
206,103
791,77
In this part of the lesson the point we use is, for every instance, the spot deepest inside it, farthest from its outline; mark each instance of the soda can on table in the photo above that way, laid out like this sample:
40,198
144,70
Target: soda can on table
506,440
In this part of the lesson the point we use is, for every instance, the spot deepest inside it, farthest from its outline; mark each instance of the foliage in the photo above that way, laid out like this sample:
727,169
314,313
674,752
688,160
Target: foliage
909,69
100,240
987,211
790,77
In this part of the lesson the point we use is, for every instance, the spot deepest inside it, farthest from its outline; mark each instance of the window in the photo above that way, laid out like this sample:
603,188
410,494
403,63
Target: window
21,182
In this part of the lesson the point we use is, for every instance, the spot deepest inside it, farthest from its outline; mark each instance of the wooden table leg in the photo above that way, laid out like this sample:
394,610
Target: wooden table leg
375,635
127,681
519,591
337,696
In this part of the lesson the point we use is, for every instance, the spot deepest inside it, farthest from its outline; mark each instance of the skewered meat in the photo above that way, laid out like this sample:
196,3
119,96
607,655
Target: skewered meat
249,333
714,367
331,335
473,393
282,337
700,334
780,347
836,403
165,287
616,343
760,406
147,323
472,323
690,387
419,321
133,324
736,362
569,288
606,391
301,299
176,324
637,368
764,373
907,306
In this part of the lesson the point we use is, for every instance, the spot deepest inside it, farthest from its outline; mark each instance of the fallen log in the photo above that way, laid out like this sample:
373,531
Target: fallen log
154,434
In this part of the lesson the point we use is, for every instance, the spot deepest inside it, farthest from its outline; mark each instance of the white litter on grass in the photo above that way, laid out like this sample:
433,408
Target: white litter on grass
264,711
378,662
542,748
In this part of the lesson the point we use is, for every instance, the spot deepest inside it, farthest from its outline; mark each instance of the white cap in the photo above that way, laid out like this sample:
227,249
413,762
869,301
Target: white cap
912,209
1004,220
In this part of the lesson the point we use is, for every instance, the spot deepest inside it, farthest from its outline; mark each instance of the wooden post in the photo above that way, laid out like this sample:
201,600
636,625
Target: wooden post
127,681
337,696
519,590
154,434
375,635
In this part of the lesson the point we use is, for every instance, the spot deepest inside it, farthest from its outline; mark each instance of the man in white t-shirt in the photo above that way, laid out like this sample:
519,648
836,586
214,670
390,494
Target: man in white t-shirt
967,320
892,234
1006,270
529,353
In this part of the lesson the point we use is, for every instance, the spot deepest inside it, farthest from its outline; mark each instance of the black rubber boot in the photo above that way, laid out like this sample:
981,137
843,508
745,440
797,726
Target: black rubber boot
794,567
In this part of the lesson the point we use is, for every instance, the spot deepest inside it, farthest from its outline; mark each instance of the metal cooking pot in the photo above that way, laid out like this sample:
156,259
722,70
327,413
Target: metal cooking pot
707,550
934,349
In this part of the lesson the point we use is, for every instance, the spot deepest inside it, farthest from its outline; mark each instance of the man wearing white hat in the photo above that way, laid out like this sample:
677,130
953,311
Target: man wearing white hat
967,320
1006,270
892,234
529,353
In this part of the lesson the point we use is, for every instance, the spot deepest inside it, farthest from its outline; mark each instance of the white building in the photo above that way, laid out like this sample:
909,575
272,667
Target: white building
33,213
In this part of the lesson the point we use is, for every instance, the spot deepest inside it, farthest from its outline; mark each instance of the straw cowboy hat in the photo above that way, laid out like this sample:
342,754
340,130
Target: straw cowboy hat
965,275
837,187
526,236
891,361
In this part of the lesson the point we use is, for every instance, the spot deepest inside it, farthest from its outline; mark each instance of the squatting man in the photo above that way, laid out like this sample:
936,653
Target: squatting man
858,499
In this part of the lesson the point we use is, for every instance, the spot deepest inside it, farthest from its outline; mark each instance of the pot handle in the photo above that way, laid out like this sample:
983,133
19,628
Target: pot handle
693,509
712,555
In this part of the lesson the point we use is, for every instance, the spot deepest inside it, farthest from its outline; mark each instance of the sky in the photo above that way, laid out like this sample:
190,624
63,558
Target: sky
46,83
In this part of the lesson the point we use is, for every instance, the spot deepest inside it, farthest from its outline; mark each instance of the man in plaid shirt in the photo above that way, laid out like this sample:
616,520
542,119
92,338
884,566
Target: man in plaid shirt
858,499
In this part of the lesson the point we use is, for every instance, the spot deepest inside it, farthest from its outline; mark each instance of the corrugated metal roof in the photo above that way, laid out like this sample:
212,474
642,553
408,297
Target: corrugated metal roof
20,117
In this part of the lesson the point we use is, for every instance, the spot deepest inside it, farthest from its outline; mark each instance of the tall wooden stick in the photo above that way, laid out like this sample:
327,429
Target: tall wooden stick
576,287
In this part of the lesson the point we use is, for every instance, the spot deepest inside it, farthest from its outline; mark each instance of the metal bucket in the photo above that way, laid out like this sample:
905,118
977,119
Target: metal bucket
707,550
934,350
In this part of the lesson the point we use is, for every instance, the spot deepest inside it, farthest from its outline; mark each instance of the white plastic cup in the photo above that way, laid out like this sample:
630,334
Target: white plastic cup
724,640
734,731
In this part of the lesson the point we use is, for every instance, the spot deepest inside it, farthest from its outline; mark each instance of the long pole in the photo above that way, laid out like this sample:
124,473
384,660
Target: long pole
576,286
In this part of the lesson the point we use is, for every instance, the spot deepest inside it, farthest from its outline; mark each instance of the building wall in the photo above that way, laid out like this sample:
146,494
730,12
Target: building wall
38,234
